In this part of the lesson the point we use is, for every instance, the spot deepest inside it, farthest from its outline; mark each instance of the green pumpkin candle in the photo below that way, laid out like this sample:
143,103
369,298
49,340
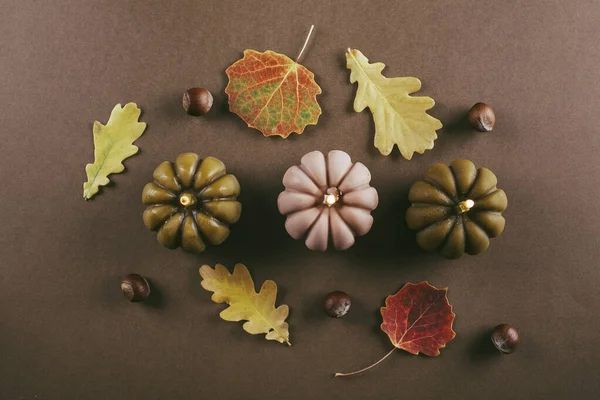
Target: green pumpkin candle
456,209
191,203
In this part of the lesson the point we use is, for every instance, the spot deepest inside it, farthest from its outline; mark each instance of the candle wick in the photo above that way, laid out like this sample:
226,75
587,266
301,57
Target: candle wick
186,200
331,196
465,206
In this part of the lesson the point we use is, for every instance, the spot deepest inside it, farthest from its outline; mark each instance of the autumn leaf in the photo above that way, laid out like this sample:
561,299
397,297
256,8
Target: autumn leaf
258,309
273,93
417,319
400,119
113,143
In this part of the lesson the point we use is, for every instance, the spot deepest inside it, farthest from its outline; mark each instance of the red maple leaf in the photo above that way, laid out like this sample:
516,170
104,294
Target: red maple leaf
417,319
273,93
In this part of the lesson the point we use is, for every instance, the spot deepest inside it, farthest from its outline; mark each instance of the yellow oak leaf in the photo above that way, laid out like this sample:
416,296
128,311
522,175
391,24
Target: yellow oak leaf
257,309
400,119
113,143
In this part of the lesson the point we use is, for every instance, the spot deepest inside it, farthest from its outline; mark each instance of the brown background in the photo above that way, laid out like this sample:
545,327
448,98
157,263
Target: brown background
67,332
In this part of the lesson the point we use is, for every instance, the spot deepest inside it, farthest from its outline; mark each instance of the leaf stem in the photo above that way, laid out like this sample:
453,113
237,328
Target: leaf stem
369,367
305,42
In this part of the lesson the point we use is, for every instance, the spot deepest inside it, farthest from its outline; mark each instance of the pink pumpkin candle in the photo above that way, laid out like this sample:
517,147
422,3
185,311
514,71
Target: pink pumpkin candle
327,200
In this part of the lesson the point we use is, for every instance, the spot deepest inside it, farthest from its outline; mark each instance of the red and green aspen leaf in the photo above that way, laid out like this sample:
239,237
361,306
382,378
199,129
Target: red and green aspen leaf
273,93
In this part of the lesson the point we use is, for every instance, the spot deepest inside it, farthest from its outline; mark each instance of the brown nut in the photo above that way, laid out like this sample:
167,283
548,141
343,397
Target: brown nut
135,287
506,338
197,101
336,304
482,117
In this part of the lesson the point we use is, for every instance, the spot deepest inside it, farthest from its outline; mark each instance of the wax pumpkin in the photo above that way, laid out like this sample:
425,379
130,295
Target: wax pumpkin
191,203
327,198
456,209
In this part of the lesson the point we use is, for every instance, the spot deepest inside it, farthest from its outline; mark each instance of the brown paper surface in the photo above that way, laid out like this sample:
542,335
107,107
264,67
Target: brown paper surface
66,330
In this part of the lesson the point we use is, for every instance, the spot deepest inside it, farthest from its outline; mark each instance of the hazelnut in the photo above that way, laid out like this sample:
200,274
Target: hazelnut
506,338
197,101
482,117
336,304
135,287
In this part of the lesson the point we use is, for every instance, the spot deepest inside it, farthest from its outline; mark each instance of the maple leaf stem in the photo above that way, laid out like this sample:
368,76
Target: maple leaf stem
305,42
367,368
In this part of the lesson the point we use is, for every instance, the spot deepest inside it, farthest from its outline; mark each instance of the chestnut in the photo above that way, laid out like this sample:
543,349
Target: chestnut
197,101
482,117
505,338
336,304
135,287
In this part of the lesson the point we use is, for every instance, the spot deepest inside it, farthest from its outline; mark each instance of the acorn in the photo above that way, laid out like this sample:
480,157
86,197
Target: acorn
135,287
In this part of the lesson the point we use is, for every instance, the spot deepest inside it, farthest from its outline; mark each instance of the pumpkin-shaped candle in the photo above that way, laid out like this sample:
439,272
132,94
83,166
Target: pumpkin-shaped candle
191,203
327,198
456,209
